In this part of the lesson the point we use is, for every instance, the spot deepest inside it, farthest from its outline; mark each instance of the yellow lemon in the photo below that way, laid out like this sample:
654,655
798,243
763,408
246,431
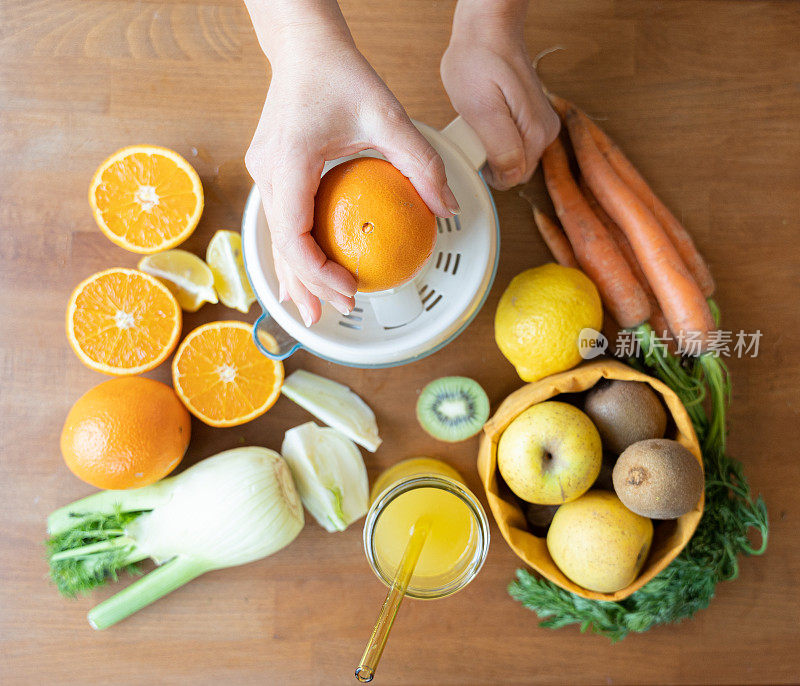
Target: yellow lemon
185,274
540,316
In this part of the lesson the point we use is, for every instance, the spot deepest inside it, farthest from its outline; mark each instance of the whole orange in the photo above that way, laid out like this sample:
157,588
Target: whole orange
369,218
125,433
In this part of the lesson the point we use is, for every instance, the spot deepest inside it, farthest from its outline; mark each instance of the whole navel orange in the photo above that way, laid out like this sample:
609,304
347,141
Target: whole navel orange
125,433
369,218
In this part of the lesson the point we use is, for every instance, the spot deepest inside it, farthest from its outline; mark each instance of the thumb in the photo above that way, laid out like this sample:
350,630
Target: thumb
291,218
410,152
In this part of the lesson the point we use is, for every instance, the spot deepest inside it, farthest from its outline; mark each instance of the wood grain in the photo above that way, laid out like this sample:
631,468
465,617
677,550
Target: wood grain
703,96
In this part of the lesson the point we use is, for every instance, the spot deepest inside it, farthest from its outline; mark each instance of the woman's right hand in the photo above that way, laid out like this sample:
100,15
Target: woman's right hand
324,102
488,75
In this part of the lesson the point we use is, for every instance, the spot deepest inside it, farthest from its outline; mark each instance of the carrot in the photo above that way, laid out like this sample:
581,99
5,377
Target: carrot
673,228
657,320
678,295
560,105
552,235
594,250
624,168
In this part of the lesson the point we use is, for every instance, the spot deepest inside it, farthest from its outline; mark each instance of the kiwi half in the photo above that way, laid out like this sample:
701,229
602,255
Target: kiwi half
452,408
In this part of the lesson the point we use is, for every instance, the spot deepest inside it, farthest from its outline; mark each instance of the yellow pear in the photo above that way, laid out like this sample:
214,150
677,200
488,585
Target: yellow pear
598,542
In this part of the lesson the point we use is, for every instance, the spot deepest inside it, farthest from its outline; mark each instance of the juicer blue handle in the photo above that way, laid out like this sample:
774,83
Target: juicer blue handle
286,345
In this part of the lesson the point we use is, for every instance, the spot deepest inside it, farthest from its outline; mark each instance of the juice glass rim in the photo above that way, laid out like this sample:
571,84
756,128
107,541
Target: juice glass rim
449,485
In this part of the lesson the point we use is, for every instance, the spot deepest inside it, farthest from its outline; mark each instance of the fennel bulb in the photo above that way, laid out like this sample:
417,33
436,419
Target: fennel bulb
329,473
230,509
335,404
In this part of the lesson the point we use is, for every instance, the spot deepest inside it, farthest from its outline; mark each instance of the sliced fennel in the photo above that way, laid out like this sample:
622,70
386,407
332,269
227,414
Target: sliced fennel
236,507
336,405
329,473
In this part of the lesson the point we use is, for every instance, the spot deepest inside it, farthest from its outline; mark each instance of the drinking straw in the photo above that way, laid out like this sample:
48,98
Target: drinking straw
397,591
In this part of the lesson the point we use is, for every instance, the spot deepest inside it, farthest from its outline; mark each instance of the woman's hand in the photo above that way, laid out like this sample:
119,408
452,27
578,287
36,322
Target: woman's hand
325,102
488,75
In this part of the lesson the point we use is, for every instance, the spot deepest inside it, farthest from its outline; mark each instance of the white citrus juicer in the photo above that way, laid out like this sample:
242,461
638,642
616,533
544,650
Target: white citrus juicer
407,323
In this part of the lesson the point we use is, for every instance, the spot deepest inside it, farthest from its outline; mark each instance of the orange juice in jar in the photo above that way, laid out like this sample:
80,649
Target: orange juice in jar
426,492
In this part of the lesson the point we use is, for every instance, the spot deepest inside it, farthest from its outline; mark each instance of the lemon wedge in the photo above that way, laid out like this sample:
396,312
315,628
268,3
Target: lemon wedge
185,274
224,256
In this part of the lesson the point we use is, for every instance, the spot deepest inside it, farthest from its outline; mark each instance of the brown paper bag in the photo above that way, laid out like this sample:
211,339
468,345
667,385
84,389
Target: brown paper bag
669,537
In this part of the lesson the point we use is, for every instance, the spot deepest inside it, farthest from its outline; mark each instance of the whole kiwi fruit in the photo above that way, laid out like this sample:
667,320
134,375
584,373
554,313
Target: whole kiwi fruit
539,516
658,478
625,412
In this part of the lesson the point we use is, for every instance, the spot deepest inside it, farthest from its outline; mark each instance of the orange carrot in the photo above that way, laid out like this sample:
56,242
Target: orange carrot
560,105
673,228
678,295
552,235
657,320
594,250
624,168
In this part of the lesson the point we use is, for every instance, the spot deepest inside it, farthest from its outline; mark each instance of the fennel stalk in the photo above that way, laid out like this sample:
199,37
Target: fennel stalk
230,509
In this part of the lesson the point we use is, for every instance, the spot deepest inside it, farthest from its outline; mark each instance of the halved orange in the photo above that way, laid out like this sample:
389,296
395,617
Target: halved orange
146,198
222,378
123,321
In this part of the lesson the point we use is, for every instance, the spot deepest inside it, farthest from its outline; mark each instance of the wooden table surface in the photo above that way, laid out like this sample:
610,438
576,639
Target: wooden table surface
702,95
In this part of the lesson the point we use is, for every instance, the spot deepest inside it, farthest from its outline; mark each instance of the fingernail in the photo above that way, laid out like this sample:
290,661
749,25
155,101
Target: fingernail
341,308
450,200
305,313
347,293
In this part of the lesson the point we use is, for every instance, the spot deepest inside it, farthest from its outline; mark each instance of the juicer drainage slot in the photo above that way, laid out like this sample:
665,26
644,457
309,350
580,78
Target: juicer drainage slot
352,320
448,225
433,304
445,262
427,294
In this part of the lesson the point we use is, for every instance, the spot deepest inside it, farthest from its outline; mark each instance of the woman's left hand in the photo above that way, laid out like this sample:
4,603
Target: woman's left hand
487,72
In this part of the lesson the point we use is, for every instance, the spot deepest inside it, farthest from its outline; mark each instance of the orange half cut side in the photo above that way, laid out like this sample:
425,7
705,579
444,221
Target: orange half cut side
222,377
146,198
123,321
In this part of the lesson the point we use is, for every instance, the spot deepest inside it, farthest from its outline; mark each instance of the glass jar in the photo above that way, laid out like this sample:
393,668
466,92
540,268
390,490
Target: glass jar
456,517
